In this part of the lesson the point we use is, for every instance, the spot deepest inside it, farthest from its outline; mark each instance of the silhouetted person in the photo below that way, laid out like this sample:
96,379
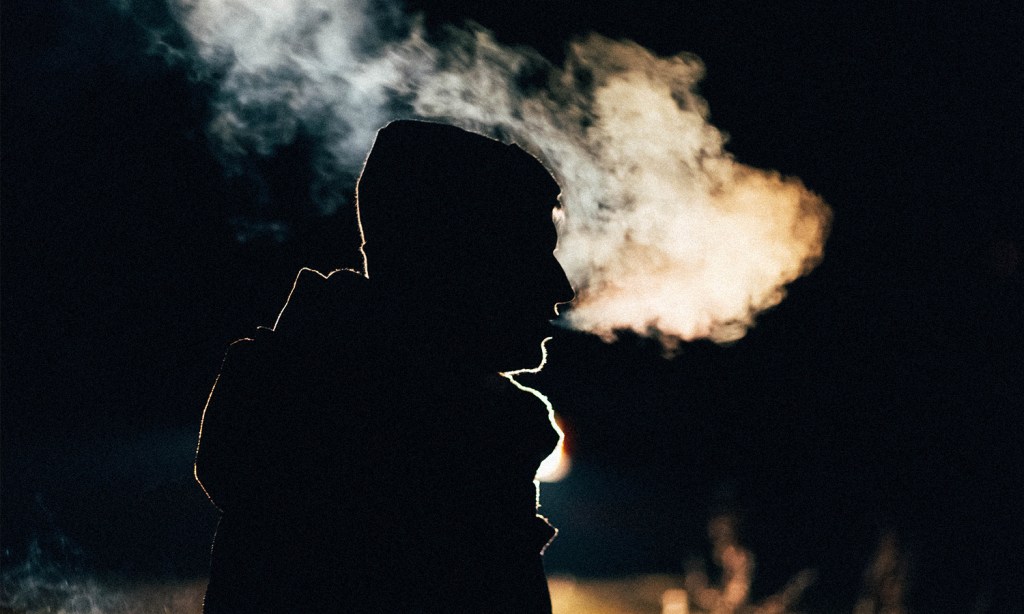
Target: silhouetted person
365,453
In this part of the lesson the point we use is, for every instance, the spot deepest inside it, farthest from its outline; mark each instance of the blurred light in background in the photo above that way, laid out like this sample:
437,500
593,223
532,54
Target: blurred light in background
556,465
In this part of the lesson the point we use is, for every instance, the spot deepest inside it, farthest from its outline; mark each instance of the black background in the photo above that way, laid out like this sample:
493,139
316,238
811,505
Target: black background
882,395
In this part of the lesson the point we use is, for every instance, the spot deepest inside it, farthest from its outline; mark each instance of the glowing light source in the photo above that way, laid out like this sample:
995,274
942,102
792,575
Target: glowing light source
556,465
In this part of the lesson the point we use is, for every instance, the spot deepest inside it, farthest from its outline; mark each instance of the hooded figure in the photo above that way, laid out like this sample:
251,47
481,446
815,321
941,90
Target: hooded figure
367,454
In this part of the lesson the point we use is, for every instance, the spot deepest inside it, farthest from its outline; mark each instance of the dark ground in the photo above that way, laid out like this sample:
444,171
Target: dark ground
882,395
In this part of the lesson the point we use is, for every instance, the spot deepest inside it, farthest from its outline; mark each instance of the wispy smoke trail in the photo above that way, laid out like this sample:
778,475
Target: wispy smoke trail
664,234
39,585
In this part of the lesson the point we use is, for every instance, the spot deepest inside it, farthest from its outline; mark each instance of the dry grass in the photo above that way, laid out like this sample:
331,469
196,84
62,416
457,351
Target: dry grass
39,590
93,598
635,595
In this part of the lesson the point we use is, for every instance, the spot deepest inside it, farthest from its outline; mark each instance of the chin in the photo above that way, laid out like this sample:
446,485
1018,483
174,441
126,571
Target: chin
528,357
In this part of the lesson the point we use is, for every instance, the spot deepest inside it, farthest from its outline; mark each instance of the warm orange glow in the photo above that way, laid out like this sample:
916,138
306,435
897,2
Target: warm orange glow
556,465
675,601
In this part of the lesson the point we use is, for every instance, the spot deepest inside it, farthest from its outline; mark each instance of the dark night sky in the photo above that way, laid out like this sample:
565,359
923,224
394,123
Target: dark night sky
882,394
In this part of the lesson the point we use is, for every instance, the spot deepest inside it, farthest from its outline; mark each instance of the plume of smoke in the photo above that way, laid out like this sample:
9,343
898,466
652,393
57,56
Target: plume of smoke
664,232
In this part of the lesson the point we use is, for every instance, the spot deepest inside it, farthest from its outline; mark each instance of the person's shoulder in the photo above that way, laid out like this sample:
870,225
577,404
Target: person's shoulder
308,284
317,296
247,352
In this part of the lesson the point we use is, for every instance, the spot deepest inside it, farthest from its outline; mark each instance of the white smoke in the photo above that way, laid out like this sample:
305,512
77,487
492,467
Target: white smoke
664,232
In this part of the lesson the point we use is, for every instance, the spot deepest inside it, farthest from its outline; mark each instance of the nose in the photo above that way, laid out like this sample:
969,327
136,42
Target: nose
562,290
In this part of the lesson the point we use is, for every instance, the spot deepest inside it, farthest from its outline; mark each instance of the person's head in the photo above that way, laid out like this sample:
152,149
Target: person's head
459,228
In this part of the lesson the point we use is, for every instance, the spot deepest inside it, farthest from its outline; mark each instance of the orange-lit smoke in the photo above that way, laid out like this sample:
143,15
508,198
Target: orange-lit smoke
664,232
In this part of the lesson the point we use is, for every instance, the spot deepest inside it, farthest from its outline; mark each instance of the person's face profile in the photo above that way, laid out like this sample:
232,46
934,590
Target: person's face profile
521,286
459,231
